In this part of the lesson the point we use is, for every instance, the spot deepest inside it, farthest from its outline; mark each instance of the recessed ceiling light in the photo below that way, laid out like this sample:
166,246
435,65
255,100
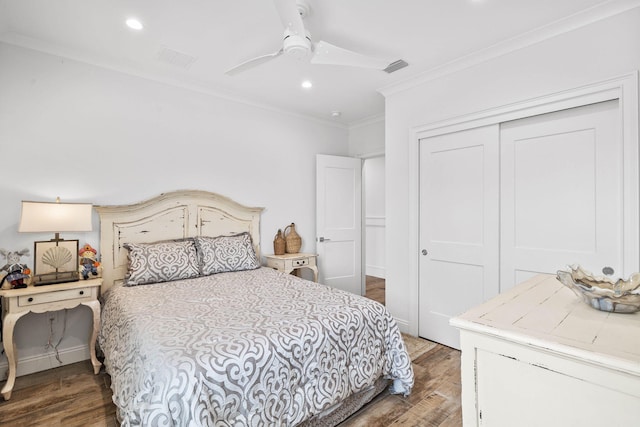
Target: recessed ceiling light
134,24
336,114
307,84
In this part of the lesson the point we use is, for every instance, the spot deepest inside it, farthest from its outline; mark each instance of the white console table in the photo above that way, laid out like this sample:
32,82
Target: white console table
537,355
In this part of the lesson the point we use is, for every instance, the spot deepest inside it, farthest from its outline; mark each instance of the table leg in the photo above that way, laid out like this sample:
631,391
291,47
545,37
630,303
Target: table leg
315,272
95,308
9,322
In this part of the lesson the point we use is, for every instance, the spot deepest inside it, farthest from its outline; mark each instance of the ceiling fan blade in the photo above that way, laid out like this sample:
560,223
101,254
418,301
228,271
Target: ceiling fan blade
252,63
290,17
326,53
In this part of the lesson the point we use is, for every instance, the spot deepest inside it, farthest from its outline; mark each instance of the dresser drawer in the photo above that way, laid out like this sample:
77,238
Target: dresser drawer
69,294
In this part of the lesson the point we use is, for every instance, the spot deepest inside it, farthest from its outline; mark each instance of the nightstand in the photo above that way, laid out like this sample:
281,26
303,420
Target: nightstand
40,299
289,262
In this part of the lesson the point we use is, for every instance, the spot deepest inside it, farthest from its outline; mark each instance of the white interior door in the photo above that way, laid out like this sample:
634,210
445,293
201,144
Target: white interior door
339,222
561,190
459,227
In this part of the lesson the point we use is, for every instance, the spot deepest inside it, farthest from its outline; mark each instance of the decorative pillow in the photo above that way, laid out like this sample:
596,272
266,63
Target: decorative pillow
226,253
161,261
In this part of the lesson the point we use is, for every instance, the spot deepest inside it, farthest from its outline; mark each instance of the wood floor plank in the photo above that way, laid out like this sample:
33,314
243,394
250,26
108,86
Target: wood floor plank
380,412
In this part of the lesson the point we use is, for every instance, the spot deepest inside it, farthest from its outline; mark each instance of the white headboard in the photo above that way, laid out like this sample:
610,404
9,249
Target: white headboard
174,215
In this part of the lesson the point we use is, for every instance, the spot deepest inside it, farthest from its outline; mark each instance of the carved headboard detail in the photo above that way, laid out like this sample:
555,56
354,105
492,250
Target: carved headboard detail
173,215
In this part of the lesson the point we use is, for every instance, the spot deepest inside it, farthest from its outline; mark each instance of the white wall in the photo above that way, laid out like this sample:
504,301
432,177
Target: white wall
374,188
586,55
89,134
366,138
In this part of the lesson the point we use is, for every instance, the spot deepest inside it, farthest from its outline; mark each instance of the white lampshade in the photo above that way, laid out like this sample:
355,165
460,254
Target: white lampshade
55,217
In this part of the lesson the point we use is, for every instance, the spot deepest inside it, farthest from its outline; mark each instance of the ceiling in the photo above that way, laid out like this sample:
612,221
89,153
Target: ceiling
219,34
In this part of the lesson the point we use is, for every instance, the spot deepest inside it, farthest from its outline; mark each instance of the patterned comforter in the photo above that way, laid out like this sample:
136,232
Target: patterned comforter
254,347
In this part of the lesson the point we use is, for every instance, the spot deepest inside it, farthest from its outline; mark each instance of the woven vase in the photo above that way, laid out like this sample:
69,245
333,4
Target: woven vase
293,241
279,243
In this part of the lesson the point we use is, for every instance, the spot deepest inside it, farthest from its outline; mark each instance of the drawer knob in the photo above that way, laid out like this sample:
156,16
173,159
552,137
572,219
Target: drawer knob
81,292
30,299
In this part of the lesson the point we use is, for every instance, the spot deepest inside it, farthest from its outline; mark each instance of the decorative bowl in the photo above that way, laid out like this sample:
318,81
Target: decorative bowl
603,293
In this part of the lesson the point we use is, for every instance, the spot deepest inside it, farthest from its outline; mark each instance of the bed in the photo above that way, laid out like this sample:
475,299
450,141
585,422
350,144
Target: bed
195,332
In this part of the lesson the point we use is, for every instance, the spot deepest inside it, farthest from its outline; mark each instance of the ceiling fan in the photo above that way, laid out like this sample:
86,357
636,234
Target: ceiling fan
297,43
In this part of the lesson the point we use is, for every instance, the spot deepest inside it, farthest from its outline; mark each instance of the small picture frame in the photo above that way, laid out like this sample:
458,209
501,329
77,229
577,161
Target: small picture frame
55,261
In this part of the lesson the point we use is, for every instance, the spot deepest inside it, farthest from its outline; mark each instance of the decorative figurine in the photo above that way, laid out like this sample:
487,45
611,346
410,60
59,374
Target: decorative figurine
88,263
16,273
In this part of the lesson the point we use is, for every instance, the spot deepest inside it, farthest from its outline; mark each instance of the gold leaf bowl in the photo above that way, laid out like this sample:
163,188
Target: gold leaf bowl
603,293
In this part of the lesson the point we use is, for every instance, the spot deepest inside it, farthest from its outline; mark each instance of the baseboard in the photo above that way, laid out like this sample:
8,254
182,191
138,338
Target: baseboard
375,271
403,325
42,362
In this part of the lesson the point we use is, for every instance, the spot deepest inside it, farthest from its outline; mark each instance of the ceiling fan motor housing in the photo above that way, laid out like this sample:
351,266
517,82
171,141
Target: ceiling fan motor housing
295,45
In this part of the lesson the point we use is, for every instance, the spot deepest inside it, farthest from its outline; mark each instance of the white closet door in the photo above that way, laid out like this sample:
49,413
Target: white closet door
459,227
561,192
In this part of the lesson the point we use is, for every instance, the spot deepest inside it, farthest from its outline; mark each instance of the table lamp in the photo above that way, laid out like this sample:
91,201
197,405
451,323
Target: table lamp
55,260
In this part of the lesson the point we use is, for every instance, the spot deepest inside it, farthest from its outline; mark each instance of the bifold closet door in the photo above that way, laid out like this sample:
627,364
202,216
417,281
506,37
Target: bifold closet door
459,227
561,192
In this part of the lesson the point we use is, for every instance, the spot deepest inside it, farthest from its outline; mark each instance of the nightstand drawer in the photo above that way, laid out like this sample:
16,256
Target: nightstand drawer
69,294
290,262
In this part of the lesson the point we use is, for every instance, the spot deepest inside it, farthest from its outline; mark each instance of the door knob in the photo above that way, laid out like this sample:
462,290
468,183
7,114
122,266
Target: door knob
608,271
322,239
424,252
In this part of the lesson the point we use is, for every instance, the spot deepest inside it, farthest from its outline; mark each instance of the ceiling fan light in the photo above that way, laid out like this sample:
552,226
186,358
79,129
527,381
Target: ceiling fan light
296,46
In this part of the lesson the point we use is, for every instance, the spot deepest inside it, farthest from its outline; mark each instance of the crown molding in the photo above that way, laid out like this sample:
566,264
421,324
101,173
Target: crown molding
19,40
366,121
578,20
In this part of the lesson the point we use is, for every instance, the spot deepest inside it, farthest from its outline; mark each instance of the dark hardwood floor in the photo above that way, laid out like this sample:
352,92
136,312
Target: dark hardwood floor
72,396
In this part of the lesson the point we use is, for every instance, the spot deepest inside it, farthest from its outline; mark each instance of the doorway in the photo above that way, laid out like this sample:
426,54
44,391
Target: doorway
373,178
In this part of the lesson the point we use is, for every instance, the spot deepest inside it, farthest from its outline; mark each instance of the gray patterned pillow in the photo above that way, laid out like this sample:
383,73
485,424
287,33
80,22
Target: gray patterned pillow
161,261
226,253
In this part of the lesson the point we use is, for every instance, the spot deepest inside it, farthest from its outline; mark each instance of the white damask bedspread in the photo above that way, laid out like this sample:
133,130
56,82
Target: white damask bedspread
255,347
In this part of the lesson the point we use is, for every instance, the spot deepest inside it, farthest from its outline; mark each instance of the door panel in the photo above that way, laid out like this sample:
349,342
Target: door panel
459,183
561,190
339,221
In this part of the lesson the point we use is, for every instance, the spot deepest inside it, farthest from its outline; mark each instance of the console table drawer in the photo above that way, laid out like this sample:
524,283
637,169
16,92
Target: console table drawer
69,294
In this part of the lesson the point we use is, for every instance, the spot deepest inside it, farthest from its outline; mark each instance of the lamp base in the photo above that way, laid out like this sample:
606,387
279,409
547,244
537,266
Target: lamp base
53,278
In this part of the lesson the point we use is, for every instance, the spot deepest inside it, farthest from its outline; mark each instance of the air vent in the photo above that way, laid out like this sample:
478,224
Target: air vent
395,66
176,58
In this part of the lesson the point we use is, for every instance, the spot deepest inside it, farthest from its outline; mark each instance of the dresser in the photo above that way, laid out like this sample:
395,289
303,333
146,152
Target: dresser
537,355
